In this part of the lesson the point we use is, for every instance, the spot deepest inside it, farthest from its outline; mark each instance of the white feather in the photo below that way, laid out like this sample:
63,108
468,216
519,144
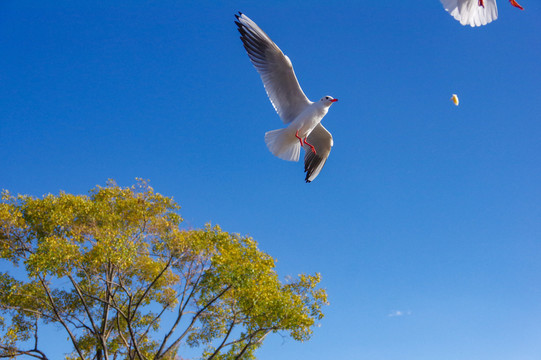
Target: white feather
468,12
275,69
283,144
322,141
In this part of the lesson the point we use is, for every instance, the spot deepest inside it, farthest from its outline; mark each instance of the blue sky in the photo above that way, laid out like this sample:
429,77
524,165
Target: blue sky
425,211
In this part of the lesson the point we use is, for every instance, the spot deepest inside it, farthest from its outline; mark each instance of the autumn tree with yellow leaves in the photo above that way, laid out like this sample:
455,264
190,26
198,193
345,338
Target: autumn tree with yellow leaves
109,267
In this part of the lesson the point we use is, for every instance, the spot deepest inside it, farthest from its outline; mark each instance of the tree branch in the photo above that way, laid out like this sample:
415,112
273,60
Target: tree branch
128,347
134,341
129,317
182,307
19,308
95,331
233,323
249,343
57,313
194,319
252,335
33,353
106,308
149,287
154,321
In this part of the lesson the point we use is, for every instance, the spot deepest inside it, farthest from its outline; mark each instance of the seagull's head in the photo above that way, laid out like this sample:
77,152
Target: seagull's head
327,100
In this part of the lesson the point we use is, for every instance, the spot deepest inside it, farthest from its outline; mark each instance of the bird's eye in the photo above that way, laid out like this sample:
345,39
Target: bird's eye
326,97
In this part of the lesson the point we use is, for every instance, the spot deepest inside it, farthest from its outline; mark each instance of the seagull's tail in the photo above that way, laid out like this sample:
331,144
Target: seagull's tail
284,144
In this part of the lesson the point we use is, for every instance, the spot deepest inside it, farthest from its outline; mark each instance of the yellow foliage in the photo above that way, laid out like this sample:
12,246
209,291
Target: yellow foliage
110,259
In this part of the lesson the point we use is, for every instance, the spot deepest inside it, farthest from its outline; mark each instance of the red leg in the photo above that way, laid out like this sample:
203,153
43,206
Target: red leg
311,146
297,136
515,4
481,3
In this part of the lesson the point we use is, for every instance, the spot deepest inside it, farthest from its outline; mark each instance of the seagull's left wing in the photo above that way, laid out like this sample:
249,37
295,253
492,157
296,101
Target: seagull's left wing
275,69
322,141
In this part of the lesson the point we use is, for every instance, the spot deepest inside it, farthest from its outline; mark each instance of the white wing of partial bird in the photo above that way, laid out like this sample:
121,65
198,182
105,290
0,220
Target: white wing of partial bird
322,141
275,69
468,12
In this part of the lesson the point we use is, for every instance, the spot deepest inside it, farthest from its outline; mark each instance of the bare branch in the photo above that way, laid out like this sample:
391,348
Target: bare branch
35,352
151,285
134,341
194,319
120,333
85,305
217,351
19,308
182,307
106,308
249,343
252,335
95,331
59,318
154,321
11,353
78,324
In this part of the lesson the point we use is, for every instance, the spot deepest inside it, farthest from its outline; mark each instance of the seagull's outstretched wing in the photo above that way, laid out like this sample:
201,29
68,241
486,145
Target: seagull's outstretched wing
321,139
468,12
275,70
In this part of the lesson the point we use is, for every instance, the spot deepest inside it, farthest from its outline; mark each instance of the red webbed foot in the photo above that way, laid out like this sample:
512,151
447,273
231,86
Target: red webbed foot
311,146
297,136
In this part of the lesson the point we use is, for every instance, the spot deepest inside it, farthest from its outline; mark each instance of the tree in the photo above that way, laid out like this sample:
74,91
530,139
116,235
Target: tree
110,267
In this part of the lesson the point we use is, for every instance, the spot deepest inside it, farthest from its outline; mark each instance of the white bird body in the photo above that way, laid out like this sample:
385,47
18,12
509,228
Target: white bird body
474,12
284,143
302,116
308,119
468,12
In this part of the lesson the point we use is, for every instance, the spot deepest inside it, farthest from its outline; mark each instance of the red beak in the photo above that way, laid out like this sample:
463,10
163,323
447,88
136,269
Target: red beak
334,100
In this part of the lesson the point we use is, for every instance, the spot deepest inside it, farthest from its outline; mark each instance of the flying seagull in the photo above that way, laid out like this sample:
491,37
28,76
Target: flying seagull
302,116
474,12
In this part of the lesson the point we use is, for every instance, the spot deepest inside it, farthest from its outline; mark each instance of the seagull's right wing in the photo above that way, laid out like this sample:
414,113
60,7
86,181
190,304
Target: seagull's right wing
322,141
275,70
468,12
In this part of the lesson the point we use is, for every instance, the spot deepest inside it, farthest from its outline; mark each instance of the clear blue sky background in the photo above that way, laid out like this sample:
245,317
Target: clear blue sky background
423,208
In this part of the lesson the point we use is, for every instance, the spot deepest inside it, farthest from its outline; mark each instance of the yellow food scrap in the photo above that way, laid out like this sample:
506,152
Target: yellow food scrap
454,99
